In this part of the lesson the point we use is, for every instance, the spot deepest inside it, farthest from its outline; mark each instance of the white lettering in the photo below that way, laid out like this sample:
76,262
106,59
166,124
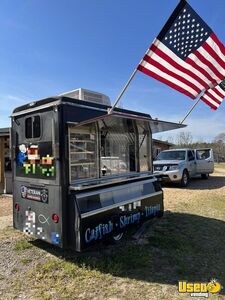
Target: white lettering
126,220
98,232
151,210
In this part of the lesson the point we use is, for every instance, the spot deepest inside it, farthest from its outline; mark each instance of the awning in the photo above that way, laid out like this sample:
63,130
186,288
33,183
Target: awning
155,124
160,126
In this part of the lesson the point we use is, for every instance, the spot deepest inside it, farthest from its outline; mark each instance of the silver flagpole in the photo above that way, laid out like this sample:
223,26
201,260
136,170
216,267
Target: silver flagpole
110,110
193,106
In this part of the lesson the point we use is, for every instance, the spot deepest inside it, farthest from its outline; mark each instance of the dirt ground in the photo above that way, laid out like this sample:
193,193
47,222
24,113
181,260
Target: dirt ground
5,206
5,212
192,226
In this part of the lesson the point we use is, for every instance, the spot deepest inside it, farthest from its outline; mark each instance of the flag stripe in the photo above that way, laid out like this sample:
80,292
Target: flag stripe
209,66
164,80
210,99
191,62
217,63
218,43
213,96
213,54
209,103
165,67
177,61
169,77
220,90
220,93
176,66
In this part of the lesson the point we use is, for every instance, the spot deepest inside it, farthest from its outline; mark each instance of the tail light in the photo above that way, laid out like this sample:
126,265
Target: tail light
17,207
55,218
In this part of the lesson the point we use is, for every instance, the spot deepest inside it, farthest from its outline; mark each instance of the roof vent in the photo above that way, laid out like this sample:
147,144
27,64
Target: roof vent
83,94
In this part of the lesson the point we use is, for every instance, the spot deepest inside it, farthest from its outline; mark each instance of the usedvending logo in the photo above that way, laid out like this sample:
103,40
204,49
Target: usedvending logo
35,194
199,289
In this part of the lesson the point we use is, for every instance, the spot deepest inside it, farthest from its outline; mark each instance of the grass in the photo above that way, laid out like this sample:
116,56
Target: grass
86,274
26,261
220,165
22,244
178,246
186,244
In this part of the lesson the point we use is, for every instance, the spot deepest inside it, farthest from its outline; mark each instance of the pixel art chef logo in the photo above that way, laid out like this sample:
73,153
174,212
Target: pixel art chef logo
200,289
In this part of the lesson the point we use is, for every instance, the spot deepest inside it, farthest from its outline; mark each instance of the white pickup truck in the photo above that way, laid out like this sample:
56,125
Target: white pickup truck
179,165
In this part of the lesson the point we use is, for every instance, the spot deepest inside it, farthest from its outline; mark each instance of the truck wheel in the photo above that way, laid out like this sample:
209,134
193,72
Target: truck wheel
205,176
185,179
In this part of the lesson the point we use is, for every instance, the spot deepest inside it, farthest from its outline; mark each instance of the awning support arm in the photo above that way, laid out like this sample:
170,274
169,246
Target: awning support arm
110,110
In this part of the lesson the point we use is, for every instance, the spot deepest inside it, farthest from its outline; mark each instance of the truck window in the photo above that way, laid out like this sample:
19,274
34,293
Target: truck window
190,155
172,155
202,154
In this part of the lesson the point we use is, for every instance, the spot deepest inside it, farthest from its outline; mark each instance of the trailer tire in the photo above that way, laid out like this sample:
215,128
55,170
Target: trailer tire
205,176
160,214
185,179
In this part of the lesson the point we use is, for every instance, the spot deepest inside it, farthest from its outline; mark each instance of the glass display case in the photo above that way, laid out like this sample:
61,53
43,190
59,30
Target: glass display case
83,154
109,147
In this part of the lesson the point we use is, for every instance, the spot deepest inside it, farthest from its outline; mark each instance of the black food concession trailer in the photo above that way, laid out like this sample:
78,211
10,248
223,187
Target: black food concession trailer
81,175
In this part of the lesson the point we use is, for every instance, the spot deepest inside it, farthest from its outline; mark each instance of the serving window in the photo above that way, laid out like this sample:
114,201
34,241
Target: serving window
117,152
107,147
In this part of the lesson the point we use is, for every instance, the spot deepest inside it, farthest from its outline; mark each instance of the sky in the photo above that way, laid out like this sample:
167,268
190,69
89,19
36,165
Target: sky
51,46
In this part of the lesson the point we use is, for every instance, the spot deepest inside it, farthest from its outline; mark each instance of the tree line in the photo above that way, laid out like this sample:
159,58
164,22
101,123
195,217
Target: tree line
185,140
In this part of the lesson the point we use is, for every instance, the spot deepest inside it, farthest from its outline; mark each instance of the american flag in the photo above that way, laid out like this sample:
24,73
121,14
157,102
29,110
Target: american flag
187,56
214,96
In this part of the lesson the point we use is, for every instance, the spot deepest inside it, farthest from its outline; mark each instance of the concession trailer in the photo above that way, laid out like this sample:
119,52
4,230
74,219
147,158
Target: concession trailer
80,174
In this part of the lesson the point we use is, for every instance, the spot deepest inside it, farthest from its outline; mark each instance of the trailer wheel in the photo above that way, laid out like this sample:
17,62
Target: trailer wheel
205,176
185,179
160,214
117,238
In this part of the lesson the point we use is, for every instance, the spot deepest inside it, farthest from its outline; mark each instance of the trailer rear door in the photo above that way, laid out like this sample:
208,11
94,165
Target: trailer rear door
36,185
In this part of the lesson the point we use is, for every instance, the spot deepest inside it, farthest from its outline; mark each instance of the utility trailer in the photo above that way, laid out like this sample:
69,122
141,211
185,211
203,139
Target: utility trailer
81,175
